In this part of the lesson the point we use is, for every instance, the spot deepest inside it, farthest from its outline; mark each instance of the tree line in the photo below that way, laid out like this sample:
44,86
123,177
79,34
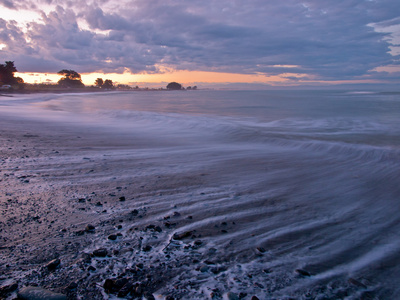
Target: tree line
7,76
70,79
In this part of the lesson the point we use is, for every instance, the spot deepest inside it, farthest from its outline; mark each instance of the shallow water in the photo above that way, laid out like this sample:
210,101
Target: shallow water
310,177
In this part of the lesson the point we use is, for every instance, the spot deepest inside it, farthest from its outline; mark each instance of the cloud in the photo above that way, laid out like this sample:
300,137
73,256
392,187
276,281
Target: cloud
323,39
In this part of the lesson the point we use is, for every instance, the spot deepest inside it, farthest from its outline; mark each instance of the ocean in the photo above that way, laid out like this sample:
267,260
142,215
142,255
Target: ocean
296,193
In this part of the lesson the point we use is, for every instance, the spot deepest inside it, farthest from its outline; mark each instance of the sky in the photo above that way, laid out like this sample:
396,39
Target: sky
204,42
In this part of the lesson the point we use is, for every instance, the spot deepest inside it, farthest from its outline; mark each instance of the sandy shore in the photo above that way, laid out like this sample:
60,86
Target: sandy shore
95,212
68,191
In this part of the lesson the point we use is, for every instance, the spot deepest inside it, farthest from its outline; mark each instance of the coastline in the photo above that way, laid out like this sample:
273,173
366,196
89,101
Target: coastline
68,197
96,205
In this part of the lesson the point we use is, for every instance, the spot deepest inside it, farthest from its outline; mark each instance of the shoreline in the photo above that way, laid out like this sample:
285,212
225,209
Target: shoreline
160,208
73,226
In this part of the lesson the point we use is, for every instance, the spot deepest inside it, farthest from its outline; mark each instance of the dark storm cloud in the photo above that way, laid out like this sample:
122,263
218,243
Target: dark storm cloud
321,38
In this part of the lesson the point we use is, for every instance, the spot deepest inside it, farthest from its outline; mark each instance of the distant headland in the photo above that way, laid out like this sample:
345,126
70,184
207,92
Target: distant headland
70,82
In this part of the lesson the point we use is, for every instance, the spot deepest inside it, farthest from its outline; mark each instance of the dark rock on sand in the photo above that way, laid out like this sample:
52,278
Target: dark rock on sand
303,272
182,235
52,265
7,289
149,296
100,252
38,293
357,283
261,249
109,285
146,248
112,237
254,298
90,228
122,198
232,296
126,289
73,285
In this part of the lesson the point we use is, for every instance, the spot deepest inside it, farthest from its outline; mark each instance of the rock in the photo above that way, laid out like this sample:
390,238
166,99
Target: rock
100,252
146,248
99,203
126,289
203,268
52,265
134,212
357,283
112,237
122,198
120,283
254,298
169,298
261,249
149,296
91,268
5,290
181,236
158,229
73,285
198,242
232,296
38,293
89,228
303,272
242,295
86,258
109,285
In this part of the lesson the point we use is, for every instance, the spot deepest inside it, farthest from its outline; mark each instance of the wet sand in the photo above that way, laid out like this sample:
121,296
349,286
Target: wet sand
55,181
92,214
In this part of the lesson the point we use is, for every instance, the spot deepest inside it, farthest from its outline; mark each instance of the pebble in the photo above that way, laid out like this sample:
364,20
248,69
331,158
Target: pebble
7,289
303,272
146,248
52,265
181,236
232,296
149,296
112,237
357,283
100,252
38,293
261,249
89,228
122,198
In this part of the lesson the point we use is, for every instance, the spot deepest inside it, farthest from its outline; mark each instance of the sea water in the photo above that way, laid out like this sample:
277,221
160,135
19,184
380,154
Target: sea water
309,178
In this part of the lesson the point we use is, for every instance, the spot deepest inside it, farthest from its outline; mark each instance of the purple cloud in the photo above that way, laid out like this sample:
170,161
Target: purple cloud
323,39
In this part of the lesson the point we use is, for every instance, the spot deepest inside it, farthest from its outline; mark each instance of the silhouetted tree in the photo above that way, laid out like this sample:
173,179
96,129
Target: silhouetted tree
108,84
70,79
99,82
7,71
174,86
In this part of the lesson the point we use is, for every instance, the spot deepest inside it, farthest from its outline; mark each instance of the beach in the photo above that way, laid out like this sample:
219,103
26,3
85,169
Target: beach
113,195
